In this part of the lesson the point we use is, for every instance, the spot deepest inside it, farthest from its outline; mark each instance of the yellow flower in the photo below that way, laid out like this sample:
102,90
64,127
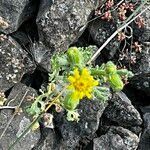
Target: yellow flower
81,84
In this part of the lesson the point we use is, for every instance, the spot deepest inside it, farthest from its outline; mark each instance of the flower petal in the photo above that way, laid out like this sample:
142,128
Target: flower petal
71,79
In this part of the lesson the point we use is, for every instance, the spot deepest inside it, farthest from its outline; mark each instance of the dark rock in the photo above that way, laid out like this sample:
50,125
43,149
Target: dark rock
60,23
145,137
100,31
15,12
145,31
117,138
27,34
41,55
86,143
50,141
14,63
136,129
122,112
145,109
142,83
143,60
84,40
123,97
68,134
20,122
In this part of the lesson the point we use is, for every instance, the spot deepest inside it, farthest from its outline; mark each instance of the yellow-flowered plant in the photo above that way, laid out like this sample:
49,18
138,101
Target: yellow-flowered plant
81,84
70,81
74,80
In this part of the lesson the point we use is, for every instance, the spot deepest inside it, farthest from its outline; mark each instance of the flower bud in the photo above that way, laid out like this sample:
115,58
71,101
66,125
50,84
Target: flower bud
74,56
115,82
110,67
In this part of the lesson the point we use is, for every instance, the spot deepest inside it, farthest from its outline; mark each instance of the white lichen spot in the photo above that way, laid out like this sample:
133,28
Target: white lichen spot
86,125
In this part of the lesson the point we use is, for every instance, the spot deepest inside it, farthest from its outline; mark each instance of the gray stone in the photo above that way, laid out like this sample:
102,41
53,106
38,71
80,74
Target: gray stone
143,60
41,55
142,83
122,112
145,137
14,63
52,141
15,12
145,109
117,138
100,31
60,23
68,134
20,122
143,34
90,113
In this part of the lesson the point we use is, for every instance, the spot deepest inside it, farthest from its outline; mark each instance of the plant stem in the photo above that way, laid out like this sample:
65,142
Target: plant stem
13,115
36,119
26,130
124,25
95,72
51,103
7,107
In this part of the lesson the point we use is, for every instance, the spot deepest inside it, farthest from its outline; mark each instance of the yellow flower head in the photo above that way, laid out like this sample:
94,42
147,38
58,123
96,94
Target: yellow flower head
81,84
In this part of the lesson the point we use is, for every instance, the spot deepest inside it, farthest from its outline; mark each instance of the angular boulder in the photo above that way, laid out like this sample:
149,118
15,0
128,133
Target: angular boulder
60,22
145,137
19,123
14,63
117,138
15,12
121,111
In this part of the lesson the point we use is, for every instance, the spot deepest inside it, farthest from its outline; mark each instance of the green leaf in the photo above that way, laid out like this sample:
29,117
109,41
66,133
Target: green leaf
102,93
34,109
115,82
110,67
87,52
125,72
70,103
37,106
75,57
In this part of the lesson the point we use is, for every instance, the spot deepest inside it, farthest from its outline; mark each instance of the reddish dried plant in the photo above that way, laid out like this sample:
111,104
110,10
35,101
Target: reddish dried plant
121,36
140,22
109,4
137,47
122,12
107,16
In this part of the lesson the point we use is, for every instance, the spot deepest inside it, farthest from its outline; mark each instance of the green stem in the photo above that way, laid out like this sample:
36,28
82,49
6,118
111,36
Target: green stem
26,130
36,119
96,72
123,72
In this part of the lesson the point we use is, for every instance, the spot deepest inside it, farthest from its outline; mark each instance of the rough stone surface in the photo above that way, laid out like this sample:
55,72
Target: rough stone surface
117,138
41,55
51,141
20,122
122,112
14,63
88,124
68,134
15,12
145,137
100,31
143,60
143,32
142,83
60,23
